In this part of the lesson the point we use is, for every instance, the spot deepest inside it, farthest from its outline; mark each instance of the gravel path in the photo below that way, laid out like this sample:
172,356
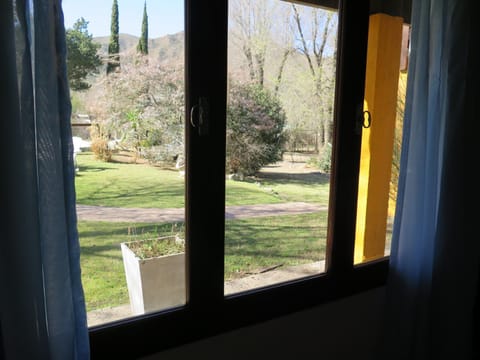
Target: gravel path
148,215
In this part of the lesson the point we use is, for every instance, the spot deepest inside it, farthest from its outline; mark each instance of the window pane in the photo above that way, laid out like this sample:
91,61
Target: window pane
385,90
128,127
281,76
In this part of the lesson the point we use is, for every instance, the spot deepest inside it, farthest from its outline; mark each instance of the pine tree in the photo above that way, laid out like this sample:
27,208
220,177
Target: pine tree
114,45
142,46
82,57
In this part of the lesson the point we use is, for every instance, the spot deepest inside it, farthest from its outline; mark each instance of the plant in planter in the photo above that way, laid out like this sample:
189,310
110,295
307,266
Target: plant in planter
155,273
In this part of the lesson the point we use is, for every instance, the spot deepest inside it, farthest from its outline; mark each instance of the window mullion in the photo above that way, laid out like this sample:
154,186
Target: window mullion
206,58
351,65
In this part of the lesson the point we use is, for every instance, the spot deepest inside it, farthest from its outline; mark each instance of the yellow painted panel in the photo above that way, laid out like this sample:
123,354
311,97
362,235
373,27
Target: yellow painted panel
383,64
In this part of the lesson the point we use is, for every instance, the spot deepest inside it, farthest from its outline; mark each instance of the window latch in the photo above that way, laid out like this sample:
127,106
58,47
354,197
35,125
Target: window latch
367,119
364,120
199,116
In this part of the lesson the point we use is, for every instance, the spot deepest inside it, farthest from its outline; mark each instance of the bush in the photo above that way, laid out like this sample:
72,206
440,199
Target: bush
255,129
325,159
102,150
100,144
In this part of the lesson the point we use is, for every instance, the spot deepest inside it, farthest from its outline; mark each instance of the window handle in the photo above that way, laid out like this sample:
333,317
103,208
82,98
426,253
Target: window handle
363,119
199,116
367,119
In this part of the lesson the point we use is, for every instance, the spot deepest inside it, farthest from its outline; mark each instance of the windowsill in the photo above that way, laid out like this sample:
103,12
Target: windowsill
192,323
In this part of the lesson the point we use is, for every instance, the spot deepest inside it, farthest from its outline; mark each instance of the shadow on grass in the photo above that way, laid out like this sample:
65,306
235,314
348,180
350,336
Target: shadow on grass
313,178
287,243
124,197
96,168
101,251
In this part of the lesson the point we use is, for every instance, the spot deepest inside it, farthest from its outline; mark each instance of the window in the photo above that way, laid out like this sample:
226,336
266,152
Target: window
207,310
130,184
281,69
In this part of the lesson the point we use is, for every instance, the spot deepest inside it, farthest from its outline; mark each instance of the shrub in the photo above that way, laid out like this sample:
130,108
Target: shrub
100,144
255,129
101,149
325,159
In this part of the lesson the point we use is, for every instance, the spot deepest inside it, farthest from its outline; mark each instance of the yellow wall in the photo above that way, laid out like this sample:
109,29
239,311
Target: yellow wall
383,67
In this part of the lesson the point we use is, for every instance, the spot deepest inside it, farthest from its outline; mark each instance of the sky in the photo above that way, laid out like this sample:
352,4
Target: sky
164,16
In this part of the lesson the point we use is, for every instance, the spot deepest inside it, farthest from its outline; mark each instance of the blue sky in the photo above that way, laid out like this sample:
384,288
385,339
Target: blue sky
164,16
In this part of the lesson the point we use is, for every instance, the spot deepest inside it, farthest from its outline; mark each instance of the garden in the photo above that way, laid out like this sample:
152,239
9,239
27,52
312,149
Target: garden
280,101
250,244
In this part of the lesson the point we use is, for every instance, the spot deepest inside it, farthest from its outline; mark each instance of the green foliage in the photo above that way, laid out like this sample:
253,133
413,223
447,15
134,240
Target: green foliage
114,45
255,124
325,158
150,248
142,46
82,57
78,105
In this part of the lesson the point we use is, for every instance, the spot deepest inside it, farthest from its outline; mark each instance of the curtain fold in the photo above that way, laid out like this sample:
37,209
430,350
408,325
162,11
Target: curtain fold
42,305
434,261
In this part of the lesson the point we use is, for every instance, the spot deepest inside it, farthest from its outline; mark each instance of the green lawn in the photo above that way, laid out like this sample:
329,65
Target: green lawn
142,185
127,185
251,244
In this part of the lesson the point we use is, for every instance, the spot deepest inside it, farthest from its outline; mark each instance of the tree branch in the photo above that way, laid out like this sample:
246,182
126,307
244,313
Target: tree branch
304,49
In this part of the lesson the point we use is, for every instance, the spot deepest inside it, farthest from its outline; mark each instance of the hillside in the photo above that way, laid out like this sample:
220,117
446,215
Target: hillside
295,90
169,48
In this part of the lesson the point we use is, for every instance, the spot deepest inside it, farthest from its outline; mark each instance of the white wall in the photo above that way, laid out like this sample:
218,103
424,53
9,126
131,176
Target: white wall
345,329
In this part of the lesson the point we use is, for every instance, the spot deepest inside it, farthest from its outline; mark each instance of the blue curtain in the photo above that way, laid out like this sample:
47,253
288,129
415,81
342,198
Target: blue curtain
42,309
434,264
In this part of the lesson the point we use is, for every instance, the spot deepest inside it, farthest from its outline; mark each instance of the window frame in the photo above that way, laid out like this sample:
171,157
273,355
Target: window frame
208,311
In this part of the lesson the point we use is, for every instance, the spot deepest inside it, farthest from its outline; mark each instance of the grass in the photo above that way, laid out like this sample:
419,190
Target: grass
312,188
127,185
145,186
258,243
251,244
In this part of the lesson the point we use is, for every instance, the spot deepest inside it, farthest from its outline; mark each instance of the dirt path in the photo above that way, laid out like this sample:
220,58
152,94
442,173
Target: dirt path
148,215
293,167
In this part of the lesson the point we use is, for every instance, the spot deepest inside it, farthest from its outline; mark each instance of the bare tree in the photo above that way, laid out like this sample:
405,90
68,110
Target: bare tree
286,41
251,27
316,36
142,108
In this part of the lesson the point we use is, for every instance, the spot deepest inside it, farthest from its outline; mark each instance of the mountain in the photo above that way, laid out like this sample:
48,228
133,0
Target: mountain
168,48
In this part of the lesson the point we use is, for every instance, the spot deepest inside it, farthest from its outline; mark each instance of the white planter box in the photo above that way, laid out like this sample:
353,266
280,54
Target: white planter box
156,283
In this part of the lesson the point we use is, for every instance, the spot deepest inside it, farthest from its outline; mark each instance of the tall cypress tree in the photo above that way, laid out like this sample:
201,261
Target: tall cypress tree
114,45
142,46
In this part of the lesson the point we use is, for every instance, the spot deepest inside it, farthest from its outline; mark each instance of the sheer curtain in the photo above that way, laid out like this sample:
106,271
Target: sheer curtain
41,298
434,264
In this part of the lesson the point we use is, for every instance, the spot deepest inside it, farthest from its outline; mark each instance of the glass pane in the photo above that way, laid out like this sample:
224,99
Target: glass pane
281,76
386,84
128,124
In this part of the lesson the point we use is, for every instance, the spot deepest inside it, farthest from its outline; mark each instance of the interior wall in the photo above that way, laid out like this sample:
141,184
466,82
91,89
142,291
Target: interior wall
345,329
